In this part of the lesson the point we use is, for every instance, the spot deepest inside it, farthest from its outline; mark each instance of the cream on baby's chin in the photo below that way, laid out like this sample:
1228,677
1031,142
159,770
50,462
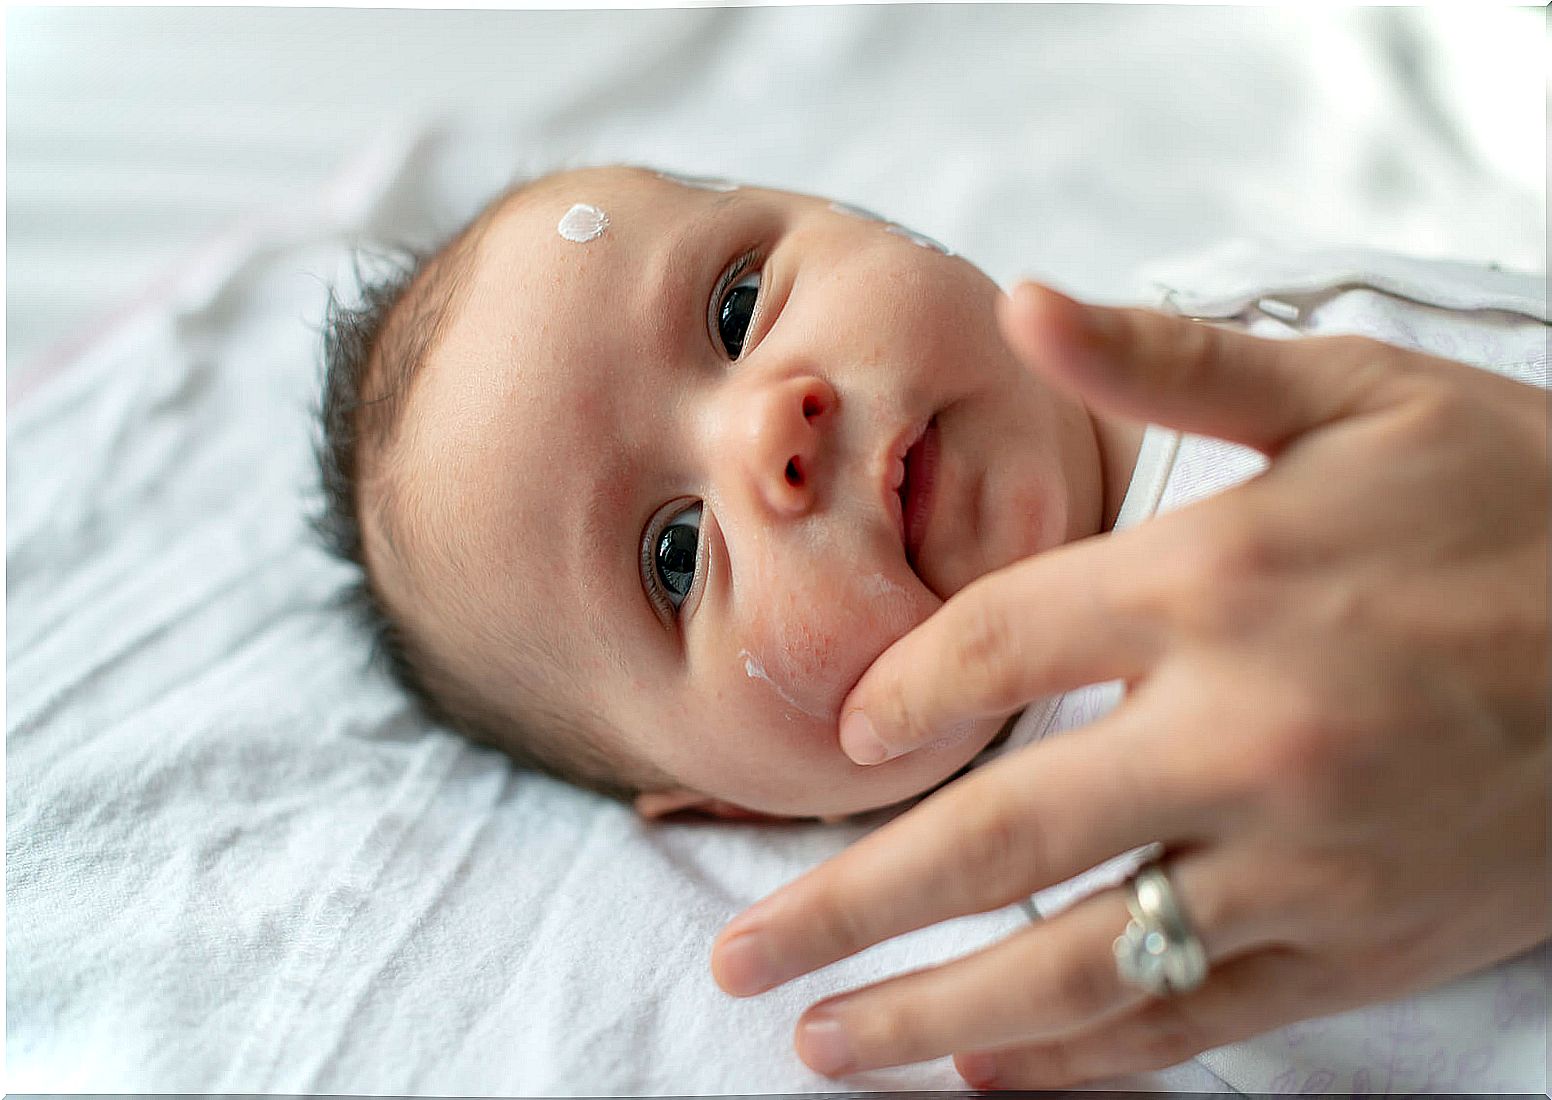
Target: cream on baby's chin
582,223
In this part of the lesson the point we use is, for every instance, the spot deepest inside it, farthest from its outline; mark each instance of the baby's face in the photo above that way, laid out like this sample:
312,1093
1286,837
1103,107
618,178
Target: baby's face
666,458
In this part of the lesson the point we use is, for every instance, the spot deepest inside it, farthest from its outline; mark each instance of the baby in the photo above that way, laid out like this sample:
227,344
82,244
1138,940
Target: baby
643,472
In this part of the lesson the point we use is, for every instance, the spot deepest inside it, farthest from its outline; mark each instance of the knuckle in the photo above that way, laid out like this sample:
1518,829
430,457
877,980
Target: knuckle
1080,989
890,1031
897,714
997,849
838,925
1351,893
1358,363
1217,907
1219,582
1365,373
1195,354
1331,896
1432,414
1239,551
1300,902
898,709
1298,757
985,656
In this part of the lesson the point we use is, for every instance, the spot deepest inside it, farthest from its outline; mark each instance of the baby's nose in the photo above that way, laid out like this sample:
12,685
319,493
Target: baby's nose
786,428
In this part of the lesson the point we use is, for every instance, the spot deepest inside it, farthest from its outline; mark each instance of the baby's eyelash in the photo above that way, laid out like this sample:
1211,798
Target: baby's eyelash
648,568
648,573
736,271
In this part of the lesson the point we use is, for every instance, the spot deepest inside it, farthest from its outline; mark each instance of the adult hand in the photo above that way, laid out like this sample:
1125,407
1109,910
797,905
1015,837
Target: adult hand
1336,721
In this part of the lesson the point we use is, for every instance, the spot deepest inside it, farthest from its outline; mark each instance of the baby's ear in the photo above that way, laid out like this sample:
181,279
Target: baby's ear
656,804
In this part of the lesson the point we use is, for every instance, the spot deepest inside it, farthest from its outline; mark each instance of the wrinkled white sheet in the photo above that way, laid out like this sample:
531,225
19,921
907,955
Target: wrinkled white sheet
237,862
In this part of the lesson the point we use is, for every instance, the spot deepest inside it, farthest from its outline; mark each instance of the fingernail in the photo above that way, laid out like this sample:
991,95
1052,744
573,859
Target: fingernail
1094,320
1030,290
822,1044
746,966
1097,320
978,1070
860,740
749,918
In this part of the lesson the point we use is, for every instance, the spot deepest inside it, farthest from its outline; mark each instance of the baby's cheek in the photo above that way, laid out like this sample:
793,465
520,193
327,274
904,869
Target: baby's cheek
811,641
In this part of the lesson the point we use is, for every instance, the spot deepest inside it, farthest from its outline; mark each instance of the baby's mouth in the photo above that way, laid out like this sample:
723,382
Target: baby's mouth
916,491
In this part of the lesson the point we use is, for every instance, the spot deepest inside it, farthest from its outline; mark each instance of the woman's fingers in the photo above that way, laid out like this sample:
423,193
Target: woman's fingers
1242,997
1037,627
1073,615
1056,978
1153,367
1286,641
984,841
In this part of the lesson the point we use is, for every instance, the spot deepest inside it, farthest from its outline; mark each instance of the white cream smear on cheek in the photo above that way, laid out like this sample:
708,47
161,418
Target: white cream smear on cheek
582,223
754,668
879,585
800,661
811,663
792,642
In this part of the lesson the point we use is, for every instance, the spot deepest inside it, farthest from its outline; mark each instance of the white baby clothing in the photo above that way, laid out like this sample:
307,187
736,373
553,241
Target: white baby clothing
1484,1032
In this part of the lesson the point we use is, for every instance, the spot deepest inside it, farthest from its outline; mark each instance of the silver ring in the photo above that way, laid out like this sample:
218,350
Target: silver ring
1158,952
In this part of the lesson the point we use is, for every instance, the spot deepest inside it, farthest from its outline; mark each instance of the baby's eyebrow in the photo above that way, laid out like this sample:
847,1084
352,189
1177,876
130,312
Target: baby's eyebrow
663,305
690,240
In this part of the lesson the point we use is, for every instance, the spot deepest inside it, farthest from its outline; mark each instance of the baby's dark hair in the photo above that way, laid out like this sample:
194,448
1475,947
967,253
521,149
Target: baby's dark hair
372,352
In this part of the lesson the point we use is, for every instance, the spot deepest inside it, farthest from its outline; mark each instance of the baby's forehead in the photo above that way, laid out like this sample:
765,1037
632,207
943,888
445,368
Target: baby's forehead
613,180
587,249
610,193
642,176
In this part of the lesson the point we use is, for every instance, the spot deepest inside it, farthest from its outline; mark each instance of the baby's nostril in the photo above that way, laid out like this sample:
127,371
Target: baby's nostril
794,475
811,408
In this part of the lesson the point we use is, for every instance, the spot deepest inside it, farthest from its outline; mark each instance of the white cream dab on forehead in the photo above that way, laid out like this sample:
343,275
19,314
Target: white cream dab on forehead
890,227
916,238
582,223
856,212
700,183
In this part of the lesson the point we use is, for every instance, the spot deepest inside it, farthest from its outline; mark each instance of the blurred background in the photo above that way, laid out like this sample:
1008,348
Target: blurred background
134,134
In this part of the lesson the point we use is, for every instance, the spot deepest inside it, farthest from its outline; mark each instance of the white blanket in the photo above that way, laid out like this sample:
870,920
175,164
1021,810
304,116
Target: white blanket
236,861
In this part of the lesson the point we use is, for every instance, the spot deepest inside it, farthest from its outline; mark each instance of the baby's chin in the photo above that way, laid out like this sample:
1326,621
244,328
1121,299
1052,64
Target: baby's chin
856,789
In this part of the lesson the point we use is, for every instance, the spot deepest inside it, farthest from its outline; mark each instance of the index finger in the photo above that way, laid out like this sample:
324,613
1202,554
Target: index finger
982,842
1042,625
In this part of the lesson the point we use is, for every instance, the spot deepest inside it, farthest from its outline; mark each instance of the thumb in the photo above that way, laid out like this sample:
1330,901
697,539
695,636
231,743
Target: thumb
1152,367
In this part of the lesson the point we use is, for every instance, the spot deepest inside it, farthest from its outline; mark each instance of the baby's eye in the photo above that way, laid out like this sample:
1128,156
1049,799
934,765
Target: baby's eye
734,311
673,558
